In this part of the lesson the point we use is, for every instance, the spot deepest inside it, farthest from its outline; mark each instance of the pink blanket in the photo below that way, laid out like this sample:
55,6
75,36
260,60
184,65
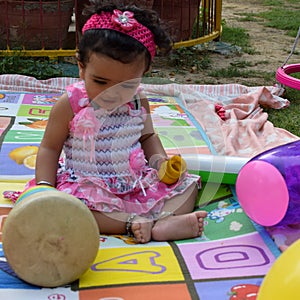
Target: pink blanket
245,131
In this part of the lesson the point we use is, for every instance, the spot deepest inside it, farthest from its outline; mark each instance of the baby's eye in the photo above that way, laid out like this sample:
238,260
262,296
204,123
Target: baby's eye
101,82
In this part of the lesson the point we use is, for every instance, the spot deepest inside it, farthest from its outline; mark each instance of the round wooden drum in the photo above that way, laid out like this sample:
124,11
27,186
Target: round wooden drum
50,238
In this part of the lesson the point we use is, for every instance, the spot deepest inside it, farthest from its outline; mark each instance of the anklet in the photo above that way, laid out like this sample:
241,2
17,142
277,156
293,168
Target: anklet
129,224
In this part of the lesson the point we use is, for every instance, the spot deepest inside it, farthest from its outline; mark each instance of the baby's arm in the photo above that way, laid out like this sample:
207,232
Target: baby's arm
169,170
56,133
151,144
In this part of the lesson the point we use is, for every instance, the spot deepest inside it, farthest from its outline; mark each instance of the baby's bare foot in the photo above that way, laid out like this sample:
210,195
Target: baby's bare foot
141,229
179,227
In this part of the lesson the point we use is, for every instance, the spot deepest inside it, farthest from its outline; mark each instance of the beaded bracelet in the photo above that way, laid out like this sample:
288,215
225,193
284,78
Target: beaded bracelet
129,224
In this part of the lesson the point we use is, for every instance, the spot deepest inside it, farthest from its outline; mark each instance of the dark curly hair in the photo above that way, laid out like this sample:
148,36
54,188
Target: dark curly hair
118,45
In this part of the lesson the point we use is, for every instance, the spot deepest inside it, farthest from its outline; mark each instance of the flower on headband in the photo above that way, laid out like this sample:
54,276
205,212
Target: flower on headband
124,19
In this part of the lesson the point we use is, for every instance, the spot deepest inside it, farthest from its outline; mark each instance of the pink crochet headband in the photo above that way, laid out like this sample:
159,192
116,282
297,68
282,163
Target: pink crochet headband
123,22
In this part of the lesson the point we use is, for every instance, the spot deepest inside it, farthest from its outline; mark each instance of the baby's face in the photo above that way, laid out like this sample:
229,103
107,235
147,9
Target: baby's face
111,83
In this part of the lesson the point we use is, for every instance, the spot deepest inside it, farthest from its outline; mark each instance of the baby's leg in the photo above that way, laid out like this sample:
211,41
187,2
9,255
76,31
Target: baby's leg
141,229
184,222
179,227
124,223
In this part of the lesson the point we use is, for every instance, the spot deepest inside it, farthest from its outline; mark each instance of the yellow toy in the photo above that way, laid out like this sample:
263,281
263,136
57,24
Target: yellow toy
171,170
282,280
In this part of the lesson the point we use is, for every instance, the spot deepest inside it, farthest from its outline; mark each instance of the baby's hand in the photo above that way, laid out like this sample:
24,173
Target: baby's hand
170,170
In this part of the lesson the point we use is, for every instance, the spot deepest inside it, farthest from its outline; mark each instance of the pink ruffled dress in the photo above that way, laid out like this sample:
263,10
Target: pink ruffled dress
104,164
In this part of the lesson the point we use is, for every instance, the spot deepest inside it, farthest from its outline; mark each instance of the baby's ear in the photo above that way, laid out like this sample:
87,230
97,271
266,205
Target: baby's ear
148,70
81,69
80,66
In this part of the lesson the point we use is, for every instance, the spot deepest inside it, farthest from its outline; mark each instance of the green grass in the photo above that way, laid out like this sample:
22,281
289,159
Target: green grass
283,19
41,68
38,67
282,15
238,37
273,3
231,72
280,2
279,14
287,118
